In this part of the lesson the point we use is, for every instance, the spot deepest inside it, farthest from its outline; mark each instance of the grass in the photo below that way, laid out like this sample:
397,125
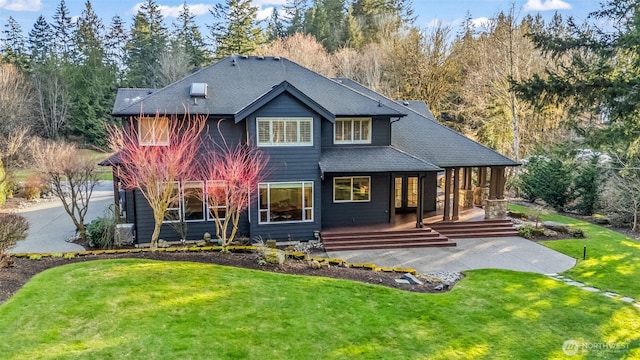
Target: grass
131,308
613,259
104,172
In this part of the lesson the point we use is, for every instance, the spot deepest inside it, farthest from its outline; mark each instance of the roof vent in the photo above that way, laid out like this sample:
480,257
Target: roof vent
276,58
198,90
244,56
261,57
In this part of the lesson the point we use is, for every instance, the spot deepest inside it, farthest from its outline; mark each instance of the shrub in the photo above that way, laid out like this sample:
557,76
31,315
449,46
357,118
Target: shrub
587,185
101,231
526,231
3,184
32,187
12,228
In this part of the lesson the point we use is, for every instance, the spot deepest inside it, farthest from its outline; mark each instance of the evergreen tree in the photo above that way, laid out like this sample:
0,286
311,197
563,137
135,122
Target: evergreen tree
351,33
15,45
295,10
63,32
147,43
235,29
93,82
115,39
275,27
376,16
316,24
187,35
598,73
40,41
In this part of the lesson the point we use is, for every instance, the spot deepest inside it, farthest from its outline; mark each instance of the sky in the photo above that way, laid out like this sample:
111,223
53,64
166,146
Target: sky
428,12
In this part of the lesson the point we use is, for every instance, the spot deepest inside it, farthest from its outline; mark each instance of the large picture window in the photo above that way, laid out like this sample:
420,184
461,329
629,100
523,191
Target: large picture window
192,200
285,202
352,131
352,189
217,199
285,131
153,131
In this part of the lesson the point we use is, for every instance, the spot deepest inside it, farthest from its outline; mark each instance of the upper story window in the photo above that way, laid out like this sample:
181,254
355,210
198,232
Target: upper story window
153,131
285,131
352,131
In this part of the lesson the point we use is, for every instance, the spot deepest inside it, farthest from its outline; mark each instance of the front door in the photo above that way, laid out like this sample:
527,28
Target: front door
406,193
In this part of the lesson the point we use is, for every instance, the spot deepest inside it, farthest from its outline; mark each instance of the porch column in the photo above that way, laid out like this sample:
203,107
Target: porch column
456,194
420,207
496,204
481,192
447,194
466,194
116,190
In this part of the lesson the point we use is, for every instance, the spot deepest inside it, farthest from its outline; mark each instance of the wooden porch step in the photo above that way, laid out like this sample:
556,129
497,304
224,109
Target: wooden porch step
426,237
476,229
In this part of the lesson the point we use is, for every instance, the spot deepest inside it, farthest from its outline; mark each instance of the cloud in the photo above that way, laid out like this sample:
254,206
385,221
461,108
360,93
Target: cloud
476,23
259,3
21,5
174,11
546,5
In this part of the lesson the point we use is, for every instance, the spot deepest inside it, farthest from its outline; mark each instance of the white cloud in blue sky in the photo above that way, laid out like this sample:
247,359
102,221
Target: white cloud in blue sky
21,5
546,5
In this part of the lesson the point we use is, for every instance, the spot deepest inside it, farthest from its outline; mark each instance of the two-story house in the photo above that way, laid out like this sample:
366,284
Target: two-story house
340,154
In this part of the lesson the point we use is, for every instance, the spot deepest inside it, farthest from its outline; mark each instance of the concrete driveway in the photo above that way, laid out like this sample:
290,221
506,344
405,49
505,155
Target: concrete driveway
512,253
50,226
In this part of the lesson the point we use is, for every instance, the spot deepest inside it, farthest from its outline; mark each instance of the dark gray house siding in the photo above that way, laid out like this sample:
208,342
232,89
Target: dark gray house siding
380,132
289,164
375,211
195,230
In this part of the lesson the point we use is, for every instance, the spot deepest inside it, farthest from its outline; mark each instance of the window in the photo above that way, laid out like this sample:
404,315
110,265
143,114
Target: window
285,202
153,131
216,199
352,131
173,210
285,131
192,200
351,189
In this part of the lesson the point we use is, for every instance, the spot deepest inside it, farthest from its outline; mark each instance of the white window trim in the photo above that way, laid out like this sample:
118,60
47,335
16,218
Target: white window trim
351,192
153,141
304,207
179,208
183,199
209,206
298,121
352,141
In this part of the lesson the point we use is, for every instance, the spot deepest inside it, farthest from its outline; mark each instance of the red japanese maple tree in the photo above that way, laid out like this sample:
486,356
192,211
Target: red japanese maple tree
155,158
233,171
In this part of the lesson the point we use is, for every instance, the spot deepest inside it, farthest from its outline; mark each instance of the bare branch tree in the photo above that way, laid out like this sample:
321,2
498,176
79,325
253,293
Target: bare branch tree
72,178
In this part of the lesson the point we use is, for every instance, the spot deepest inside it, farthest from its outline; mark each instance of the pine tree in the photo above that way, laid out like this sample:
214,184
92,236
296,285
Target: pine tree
115,39
187,35
235,29
147,42
15,45
351,33
316,24
275,27
295,10
63,32
40,41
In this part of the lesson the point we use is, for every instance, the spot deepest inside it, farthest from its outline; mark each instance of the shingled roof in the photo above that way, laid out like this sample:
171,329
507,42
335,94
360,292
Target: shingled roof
370,159
237,81
421,135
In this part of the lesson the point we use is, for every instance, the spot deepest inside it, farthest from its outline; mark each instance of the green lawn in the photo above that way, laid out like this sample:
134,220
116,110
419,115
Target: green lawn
131,308
613,260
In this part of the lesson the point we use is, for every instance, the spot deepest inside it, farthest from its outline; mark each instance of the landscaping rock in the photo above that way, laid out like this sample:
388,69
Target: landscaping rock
601,219
206,237
556,226
576,233
412,279
275,257
163,243
403,281
549,233
314,264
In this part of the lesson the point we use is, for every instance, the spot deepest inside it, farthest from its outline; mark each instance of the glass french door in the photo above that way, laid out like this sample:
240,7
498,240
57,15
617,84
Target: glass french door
406,193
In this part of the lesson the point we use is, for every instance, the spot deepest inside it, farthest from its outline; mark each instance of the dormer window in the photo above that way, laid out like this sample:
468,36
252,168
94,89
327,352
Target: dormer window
352,131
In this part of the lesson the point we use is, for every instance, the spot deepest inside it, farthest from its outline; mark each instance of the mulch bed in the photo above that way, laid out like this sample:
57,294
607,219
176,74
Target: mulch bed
13,278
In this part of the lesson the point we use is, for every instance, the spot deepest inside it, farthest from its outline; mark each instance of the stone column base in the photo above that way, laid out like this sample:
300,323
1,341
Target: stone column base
466,198
496,209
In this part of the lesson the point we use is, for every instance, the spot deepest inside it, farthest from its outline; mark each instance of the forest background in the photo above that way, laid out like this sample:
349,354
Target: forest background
518,84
